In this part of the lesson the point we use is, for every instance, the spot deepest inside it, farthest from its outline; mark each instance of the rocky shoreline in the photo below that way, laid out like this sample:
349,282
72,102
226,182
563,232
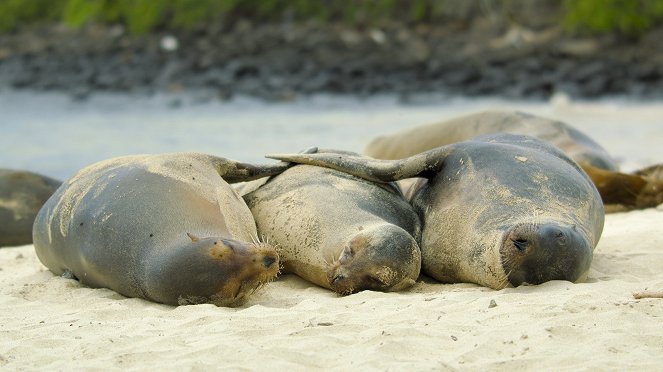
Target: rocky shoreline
283,60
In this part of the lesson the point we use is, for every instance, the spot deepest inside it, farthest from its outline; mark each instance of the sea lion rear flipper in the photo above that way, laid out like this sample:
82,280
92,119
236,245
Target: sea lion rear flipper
642,189
423,165
651,195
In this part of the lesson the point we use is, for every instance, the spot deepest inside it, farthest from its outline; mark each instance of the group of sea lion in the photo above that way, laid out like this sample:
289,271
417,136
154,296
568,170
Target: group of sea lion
498,199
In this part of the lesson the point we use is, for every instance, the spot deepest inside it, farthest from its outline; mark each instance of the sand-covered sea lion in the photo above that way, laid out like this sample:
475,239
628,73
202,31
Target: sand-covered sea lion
618,190
22,194
168,228
496,210
339,231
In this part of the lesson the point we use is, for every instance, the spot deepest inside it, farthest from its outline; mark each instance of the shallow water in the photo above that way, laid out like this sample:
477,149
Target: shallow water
55,135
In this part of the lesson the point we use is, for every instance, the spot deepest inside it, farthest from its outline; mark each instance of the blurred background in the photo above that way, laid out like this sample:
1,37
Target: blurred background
279,49
83,80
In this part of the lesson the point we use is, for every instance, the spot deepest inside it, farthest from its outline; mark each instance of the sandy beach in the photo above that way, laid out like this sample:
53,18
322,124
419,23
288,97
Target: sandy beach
52,323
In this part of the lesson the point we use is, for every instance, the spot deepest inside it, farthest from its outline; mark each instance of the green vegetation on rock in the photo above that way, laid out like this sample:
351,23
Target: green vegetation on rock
630,17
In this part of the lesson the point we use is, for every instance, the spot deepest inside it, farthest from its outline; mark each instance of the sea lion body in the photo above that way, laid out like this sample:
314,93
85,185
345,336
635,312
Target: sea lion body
619,191
22,194
496,210
577,145
339,231
132,223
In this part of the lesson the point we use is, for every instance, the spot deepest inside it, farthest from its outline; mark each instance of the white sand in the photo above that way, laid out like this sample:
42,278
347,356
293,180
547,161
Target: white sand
54,323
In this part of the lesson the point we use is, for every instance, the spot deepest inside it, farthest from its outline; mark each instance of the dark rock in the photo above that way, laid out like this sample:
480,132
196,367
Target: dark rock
279,61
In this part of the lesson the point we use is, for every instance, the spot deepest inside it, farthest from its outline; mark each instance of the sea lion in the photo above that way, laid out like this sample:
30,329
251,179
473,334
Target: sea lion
619,191
132,224
22,193
496,210
339,231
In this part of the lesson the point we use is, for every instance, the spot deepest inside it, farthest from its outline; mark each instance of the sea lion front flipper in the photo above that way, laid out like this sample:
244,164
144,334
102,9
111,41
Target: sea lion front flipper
233,171
423,165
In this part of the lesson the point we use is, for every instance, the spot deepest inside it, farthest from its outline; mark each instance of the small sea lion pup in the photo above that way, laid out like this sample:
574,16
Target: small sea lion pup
22,194
168,228
496,210
619,191
339,231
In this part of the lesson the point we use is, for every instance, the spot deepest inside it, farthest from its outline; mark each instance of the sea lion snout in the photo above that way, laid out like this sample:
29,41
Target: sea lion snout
535,254
228,269
268,261
383,258
263,253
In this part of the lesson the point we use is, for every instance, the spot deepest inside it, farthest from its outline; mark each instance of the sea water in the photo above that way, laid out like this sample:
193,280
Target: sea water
56,135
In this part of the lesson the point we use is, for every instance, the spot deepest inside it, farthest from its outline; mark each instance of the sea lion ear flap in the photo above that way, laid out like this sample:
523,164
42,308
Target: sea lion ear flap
192,237
347,254
425,164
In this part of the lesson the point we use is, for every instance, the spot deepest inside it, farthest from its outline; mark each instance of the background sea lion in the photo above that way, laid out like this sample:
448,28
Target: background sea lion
132,224
497,209
339,231
618,191
22,194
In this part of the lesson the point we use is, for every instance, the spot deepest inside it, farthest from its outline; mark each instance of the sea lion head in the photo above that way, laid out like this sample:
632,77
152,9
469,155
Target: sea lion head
229,269
536,253
381,258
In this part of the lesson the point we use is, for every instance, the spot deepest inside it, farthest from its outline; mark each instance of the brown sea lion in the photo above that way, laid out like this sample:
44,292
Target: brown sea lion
496,210
132,224
619,191
22,194
339,231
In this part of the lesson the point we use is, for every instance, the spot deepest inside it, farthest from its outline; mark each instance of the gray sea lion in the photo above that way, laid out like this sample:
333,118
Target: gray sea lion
339,231
22,194
132,224
496,210
618,190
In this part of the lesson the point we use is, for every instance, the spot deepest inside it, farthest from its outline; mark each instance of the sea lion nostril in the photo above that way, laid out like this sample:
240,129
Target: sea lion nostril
268,261
554,234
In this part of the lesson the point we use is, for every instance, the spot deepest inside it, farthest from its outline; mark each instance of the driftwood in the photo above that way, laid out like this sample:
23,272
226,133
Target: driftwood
648,294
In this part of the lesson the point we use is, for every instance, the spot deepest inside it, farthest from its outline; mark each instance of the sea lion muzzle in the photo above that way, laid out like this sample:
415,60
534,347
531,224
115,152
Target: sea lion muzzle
534,254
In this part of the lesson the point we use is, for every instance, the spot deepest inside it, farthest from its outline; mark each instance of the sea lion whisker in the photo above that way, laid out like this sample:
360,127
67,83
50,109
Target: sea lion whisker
504,282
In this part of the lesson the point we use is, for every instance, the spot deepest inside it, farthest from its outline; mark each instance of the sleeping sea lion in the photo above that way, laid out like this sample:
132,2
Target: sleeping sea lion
22,194
496,210
132,224
618,190
339,231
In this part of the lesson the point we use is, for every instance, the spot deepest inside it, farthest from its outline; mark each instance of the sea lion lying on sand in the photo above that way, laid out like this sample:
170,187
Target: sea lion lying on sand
619,191
22,194
496,210
339,231
132,224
